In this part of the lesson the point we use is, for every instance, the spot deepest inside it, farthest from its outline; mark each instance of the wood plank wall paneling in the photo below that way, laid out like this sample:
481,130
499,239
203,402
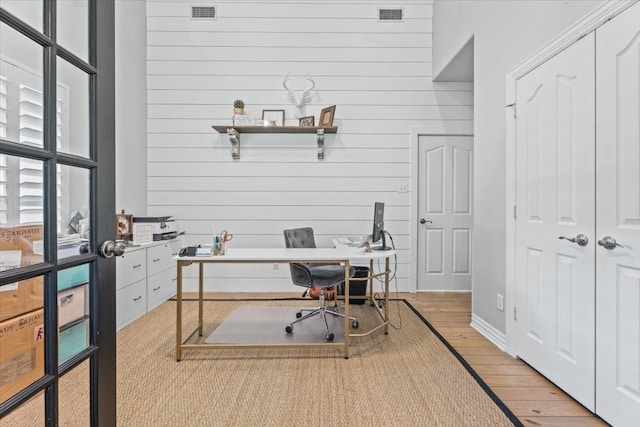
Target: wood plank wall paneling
377,73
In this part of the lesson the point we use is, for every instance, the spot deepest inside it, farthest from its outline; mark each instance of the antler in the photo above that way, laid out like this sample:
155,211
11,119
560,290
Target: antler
305,95
291,95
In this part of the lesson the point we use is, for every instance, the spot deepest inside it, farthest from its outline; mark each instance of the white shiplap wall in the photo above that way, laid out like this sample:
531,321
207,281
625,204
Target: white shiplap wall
377,73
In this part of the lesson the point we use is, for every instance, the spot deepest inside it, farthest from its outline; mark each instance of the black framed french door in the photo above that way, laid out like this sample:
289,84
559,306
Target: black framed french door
57,204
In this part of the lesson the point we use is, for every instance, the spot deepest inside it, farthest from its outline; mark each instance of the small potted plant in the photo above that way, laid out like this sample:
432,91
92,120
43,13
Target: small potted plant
238,107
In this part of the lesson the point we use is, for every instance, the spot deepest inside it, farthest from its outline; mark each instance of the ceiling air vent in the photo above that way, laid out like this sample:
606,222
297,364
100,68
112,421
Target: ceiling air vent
390,15
203,12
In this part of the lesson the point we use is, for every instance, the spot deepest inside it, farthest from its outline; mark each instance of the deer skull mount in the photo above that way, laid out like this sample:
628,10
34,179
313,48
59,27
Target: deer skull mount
300,102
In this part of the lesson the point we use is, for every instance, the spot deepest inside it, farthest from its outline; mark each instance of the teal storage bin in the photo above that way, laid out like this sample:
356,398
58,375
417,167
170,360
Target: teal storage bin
73,276
73,340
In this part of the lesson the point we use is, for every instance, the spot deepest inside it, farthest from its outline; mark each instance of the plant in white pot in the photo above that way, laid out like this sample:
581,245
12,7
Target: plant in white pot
238,106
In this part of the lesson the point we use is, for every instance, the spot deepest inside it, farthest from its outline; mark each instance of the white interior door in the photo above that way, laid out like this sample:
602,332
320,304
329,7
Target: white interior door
445,188
555,281
618,213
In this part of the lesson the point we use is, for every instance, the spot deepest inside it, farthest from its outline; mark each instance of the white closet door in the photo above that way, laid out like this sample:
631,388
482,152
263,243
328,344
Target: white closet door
618,214
555,295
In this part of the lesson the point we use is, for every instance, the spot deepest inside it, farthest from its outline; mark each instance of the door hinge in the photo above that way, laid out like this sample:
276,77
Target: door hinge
515,314
515,212
513,108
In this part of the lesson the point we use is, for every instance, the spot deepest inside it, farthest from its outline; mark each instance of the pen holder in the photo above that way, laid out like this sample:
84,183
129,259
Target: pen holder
219,248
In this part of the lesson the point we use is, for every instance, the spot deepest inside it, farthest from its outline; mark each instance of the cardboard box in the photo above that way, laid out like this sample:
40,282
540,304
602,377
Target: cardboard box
20,245
21,297
73,304
21,352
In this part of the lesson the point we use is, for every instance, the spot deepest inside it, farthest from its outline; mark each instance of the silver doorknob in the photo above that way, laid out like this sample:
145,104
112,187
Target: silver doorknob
609,242
425,221
580,239
110,248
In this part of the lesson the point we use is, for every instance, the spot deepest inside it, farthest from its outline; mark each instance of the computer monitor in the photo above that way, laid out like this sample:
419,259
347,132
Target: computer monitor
378,227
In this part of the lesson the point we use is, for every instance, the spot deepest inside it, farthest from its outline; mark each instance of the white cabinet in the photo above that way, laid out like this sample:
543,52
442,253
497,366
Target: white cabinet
145,278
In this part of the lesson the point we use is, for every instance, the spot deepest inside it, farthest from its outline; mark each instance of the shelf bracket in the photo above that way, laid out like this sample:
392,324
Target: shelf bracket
234,138
320,144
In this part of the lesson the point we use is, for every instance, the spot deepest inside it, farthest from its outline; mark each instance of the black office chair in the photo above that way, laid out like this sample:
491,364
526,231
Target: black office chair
320,275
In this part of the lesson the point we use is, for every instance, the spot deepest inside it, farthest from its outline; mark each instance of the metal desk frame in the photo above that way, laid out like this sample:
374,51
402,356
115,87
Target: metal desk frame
284,256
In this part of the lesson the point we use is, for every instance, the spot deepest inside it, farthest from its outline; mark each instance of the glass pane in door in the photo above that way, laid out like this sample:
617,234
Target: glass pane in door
74,397
21,83
21,214
73,211
72,109
22,338
28,415
29,11
73,26
73,311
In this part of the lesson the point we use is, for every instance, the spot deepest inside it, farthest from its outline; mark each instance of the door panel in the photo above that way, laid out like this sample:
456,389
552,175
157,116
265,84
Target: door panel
555,198
618,213
57,175
445,171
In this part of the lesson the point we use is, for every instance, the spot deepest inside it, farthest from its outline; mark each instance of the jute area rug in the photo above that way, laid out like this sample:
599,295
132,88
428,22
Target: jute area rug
406,378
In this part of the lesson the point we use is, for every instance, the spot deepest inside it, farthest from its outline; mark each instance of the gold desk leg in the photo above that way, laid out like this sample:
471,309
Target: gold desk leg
200,296
386,295
371,301
179,312
347,324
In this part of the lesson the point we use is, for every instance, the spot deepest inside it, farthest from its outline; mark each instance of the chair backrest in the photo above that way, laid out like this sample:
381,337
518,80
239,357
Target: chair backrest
300,238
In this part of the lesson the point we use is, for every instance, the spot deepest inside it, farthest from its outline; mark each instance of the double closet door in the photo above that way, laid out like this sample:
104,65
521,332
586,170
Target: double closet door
578,222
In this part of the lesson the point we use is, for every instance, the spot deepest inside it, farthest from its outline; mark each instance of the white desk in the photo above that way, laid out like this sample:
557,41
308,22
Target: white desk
341,254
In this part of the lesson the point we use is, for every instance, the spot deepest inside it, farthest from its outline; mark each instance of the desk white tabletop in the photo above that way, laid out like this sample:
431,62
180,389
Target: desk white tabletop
291,255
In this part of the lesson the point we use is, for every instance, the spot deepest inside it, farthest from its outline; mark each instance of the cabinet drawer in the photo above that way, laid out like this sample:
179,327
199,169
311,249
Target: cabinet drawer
131,303
159,258
161,287
130,268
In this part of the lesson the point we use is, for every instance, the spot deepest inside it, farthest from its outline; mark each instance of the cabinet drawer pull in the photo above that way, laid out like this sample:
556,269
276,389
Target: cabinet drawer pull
155,289
137,266
137,299
156,260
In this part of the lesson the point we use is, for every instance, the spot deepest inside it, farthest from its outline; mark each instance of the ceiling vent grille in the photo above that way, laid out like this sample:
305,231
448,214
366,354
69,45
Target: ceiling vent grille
203,12
393,15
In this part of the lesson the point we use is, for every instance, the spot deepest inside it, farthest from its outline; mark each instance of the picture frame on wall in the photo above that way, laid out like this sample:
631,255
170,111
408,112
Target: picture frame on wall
308,121
273,117
326,116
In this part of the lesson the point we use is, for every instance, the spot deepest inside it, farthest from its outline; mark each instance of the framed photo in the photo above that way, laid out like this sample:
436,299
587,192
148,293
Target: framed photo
124,225
273,117
308,121
326,116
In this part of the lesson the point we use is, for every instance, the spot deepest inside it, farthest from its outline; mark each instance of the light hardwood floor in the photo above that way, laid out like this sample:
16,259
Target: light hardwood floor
529,395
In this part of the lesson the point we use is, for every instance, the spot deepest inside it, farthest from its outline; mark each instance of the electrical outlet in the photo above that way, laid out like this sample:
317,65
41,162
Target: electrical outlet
500,304
276,266
403,188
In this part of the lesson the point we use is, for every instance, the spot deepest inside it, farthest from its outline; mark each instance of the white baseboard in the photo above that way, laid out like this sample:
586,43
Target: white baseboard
498,338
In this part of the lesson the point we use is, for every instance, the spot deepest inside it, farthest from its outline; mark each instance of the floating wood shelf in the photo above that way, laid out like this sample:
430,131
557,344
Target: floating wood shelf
235,131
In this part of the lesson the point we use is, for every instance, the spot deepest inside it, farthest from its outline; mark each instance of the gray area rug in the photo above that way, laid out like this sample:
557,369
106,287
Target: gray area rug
266,325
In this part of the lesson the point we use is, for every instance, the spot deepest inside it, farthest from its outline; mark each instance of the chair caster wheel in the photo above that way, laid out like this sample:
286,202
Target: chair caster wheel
298,315
289,329
329,337
355,324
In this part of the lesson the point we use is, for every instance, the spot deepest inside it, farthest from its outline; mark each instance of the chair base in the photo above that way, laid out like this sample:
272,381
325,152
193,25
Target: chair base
322,311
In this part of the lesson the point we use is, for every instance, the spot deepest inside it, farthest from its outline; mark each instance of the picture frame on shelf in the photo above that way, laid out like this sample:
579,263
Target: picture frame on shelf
326,116
124,226
308,121
273,117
